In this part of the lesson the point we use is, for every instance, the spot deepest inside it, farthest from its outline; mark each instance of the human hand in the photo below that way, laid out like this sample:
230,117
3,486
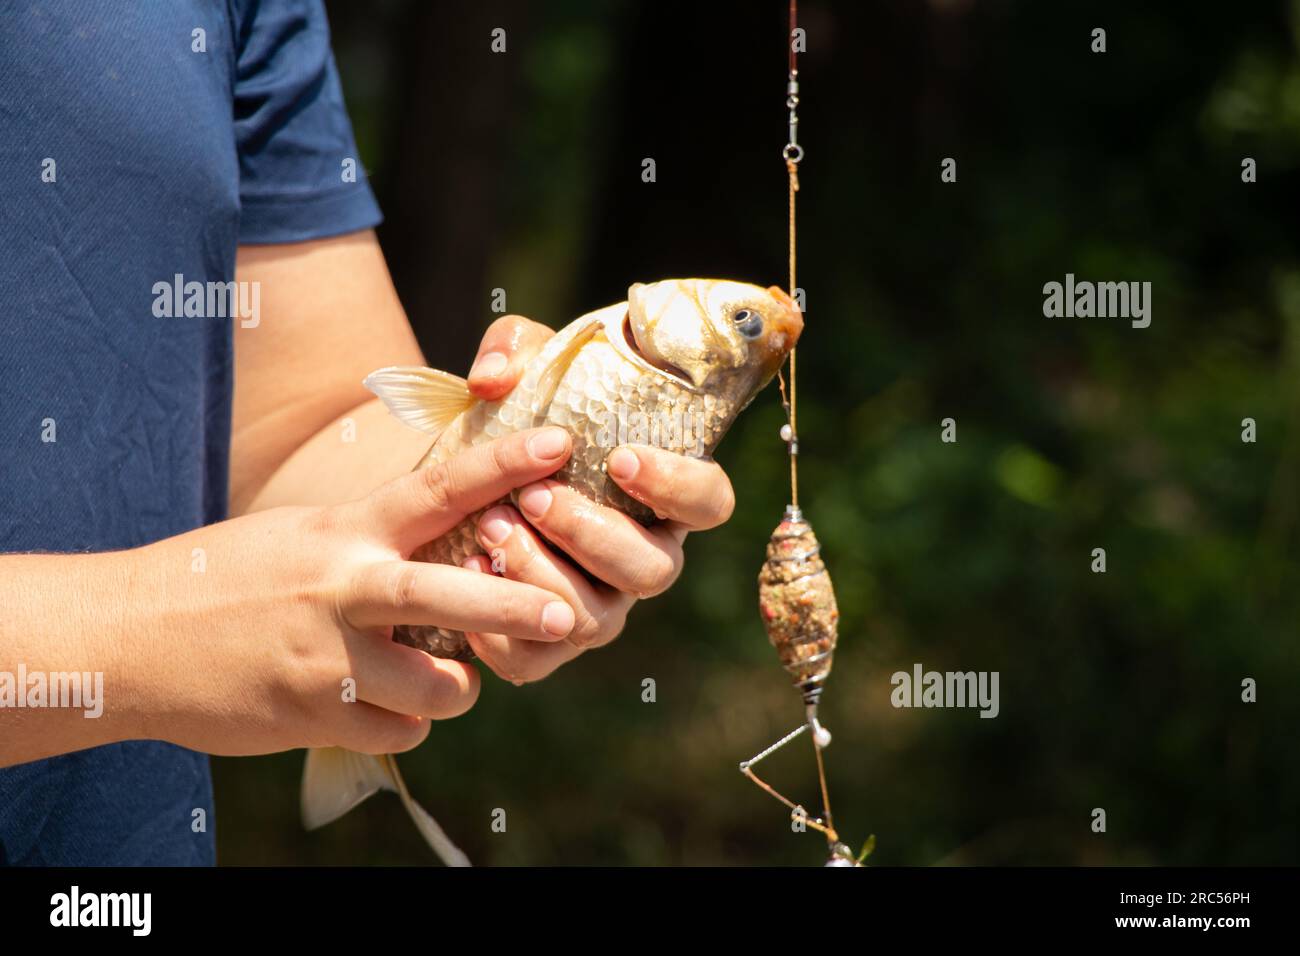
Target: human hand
252,628
561,528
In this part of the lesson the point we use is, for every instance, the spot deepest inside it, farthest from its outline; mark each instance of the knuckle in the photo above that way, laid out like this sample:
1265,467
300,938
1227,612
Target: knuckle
504,455
305,698
408,734
308,667
520,616
437,484
654,573
591,627
519,561
404,589
443,694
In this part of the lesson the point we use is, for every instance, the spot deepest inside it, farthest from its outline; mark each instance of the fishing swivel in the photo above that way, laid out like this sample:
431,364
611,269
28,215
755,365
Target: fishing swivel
793,152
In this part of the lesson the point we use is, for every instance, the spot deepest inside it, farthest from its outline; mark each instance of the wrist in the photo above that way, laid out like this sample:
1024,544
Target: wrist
121,641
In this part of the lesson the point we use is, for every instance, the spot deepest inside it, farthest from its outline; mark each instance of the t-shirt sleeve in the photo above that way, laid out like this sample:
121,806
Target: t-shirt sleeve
299,173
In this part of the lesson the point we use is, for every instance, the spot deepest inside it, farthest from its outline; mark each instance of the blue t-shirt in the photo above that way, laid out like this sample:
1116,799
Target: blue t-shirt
140,142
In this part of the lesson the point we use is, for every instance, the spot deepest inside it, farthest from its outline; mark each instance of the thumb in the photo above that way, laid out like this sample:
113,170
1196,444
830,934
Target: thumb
429,502
507,346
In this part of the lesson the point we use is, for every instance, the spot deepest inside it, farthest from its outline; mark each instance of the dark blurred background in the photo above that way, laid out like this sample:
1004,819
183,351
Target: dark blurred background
1119,690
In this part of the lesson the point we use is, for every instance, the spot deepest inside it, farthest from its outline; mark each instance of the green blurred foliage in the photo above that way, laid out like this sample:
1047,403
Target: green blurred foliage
1118,690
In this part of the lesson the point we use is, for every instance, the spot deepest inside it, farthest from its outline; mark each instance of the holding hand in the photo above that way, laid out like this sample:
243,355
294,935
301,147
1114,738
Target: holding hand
561,530
252,654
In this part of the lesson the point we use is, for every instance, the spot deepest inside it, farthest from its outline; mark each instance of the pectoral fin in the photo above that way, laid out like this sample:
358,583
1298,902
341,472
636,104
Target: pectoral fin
556,358
423,398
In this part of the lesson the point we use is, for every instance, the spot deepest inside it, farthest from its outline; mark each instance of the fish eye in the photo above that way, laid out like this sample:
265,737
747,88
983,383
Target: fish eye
748,323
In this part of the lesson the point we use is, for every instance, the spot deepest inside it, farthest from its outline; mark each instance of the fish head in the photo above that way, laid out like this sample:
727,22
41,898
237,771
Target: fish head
713,335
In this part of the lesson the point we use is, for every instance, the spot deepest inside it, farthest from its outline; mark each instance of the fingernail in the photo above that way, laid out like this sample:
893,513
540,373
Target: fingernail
474,562
622,464
548,443
489,364
535,499
493,528
557,618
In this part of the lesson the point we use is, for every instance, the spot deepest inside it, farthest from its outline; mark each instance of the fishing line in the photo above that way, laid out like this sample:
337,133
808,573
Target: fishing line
795,595
793,154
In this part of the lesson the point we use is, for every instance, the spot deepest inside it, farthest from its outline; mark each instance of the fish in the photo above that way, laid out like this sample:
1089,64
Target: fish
672,366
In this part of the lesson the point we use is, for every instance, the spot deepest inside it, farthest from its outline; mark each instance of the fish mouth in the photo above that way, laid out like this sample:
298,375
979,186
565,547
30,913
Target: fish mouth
668,368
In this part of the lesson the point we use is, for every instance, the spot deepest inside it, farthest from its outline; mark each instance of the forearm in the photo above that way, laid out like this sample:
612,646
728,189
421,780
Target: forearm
108,642
305,430
348,458
66,619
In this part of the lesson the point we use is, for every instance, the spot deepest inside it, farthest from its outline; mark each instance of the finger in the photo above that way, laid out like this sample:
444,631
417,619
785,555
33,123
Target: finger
519,555
507,346
609,544
691,491
404,680
519,662
368,729
412,592
427,503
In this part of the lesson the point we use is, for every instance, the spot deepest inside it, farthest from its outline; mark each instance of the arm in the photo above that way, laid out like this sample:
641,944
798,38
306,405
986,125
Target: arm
329,317
236,638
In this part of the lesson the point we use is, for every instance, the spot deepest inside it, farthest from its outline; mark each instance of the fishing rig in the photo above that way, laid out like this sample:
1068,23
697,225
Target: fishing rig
795,595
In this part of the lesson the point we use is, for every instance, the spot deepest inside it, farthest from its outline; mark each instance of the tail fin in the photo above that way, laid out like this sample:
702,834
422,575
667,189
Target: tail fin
335,780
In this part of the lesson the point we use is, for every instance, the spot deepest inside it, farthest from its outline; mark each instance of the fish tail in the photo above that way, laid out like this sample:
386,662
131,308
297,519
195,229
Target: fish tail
335,780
